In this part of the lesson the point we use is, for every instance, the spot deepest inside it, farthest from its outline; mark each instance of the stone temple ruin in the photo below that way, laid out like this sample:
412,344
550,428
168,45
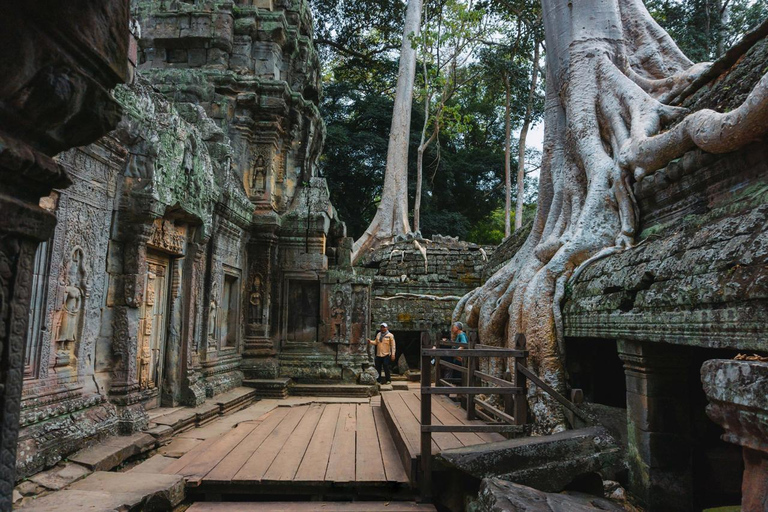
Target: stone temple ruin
166,242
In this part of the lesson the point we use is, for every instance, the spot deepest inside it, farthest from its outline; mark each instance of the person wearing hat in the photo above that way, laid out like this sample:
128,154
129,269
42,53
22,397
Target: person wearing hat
385,353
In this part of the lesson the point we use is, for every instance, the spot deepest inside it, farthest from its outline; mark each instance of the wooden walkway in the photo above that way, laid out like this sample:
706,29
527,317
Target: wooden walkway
296,450
402,411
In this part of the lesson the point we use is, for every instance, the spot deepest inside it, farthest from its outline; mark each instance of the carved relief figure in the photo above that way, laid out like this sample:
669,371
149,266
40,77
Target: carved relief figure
145,350
73,286
213,313
259,174
256,300
339,317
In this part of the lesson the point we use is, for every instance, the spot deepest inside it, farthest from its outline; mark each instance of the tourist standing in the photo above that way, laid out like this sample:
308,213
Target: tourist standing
385,353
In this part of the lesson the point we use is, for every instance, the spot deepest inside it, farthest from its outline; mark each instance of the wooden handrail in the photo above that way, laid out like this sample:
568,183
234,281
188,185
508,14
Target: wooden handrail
516,403
551,391
495,380
470,390
452,366
473,352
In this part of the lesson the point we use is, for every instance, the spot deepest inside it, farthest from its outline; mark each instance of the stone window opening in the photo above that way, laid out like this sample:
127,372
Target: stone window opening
230,311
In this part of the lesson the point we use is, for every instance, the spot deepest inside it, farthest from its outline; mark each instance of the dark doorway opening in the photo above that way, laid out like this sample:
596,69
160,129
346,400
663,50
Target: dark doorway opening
408,344
717,466
594,367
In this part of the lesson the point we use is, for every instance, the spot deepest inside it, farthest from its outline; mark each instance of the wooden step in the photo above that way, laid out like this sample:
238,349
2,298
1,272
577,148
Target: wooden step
402,410
333,390
360,506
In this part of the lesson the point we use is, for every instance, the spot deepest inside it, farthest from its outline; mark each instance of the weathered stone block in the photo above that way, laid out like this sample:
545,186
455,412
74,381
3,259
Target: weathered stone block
547,463
497,495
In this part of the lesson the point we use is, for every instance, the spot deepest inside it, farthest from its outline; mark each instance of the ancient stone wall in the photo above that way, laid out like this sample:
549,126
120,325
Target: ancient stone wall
59,63
417,283
697,276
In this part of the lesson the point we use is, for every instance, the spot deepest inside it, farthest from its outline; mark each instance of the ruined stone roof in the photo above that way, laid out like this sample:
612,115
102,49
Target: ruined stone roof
699,274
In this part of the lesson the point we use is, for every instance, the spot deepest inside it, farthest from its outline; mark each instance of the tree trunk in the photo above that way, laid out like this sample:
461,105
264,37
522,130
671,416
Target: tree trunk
391,217
610,67
508,158
523,136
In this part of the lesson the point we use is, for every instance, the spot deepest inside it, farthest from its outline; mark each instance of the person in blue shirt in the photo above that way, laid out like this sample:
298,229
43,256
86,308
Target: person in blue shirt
457,329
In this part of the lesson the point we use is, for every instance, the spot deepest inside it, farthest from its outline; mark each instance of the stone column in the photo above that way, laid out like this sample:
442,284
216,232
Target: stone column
658,425
259,350
738,396
58,63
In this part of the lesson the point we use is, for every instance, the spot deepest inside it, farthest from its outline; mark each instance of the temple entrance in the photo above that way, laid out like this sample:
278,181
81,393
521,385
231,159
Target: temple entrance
408,344
153,325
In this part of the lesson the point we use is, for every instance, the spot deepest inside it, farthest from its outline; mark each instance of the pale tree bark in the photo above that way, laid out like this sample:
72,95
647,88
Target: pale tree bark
508,157
523,137
610,68
391,217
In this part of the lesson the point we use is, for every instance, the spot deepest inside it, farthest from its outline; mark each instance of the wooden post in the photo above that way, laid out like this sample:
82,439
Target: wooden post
521,381
470,380
426,420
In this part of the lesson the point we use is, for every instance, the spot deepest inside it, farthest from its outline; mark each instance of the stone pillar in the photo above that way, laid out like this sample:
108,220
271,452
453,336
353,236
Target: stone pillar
658,425
738,396
58,63
262,285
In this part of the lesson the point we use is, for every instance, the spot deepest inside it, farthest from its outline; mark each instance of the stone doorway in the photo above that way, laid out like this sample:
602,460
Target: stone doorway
153,322
408,344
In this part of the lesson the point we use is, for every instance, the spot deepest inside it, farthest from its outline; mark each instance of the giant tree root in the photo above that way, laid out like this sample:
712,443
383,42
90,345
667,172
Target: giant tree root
610,70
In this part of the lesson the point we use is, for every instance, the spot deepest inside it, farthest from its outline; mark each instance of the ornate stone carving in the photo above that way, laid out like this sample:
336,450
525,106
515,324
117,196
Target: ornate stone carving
256,300
339,317
74,286
169,237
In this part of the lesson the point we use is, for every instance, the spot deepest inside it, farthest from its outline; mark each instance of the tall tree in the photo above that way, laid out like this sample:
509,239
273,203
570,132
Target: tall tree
391,217
451,32
612,73
527,120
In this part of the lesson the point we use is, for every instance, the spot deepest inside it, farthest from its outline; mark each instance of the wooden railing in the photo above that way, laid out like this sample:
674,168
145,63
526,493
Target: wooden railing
474,382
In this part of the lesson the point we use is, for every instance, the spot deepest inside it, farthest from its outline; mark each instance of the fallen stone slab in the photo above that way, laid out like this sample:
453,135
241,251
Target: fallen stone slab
111,452
206,413
179,447
60,475
77,501
546,463
269,388
154,464
399,386
179,421
149,491
161,433
501,496
235,399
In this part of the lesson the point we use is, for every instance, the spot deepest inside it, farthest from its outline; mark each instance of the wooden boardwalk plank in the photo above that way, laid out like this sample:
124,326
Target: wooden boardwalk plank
253,470
341,465
460,414
446,418
189,457
315,461
407,424
287,464
232,463
208,459
440,440
393,467
369,466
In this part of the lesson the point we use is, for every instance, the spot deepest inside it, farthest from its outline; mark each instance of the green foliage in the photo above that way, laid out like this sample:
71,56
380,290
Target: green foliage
704,29
464,171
